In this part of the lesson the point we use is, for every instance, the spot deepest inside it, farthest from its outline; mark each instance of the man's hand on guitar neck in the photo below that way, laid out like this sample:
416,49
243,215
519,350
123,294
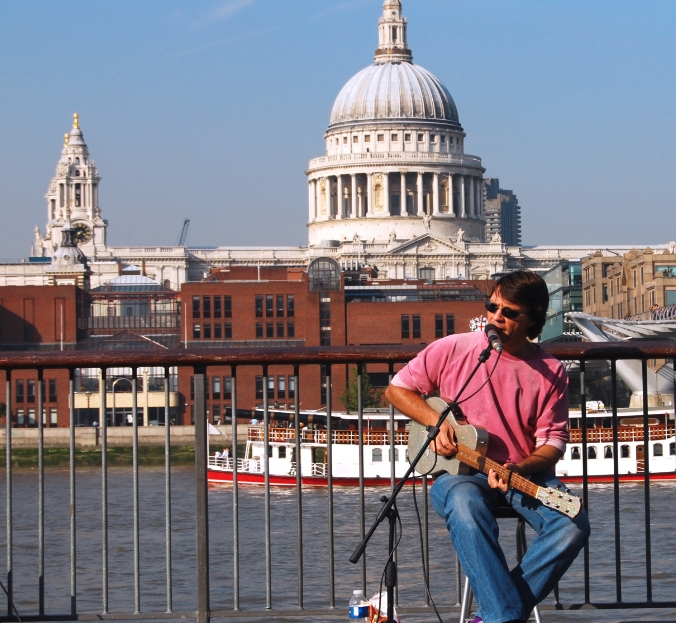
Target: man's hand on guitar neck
542,459
412,405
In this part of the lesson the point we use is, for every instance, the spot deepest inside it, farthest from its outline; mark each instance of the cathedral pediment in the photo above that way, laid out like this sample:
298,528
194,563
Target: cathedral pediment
428,244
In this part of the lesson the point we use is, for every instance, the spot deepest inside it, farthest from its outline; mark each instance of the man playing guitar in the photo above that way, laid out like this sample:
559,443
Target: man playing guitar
524,408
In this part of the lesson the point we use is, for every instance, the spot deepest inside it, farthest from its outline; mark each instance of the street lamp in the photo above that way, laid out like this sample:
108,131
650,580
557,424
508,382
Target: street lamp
88,394
122,378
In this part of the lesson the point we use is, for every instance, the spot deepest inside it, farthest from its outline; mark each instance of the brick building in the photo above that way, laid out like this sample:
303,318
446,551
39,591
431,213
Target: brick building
267,307
628,285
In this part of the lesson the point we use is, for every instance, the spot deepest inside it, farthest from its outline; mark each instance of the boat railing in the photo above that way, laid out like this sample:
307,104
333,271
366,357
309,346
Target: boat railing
319,436
624,434
245,556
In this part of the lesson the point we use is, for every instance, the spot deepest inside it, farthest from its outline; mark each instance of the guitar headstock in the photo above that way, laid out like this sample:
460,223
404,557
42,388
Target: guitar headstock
565,503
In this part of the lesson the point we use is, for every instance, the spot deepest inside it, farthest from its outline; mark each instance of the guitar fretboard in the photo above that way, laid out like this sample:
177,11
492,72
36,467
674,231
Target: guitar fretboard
484,464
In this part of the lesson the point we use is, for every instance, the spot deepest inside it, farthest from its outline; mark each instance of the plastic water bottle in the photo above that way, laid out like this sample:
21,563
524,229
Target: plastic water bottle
359,607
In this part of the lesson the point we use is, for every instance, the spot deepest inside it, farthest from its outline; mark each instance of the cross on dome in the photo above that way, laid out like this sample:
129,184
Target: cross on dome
392,36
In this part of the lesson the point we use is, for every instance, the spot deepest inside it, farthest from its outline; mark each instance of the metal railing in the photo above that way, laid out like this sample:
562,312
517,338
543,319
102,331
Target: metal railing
292,532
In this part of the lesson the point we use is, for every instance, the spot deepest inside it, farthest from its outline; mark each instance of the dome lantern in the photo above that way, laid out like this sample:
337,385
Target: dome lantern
392,36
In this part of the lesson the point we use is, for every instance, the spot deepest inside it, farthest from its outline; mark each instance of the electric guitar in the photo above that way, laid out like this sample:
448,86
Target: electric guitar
472,442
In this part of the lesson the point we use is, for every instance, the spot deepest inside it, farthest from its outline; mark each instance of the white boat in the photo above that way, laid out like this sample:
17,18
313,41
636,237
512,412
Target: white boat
313,450
635,454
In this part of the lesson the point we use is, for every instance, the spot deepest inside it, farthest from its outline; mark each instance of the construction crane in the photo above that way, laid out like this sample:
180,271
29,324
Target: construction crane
184,233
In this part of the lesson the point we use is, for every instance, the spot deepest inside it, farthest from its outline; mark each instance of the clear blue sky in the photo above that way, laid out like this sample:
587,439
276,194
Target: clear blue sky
210,110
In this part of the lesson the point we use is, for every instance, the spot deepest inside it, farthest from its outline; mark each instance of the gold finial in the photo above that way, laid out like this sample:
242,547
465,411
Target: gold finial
66,138
76,120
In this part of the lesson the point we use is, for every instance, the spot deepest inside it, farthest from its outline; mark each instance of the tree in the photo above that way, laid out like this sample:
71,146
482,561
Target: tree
349,398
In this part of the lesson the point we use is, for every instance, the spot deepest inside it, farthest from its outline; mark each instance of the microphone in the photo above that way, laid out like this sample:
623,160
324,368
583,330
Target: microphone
494,340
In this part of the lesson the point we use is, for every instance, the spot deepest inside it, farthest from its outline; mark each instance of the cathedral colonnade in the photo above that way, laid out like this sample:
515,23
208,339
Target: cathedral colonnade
404,193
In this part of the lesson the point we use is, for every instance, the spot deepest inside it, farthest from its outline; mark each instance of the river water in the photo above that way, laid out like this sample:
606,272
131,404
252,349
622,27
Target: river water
284,546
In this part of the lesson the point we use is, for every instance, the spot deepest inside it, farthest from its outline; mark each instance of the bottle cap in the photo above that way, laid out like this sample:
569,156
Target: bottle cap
358,592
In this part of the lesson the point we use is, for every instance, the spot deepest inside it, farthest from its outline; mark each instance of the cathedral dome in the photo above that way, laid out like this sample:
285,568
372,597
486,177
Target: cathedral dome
394,91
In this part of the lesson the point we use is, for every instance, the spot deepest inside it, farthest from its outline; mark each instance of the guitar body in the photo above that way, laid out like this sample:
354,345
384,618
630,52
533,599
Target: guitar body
474,437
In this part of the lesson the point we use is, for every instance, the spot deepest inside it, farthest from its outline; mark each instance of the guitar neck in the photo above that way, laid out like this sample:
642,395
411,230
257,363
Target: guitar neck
484,464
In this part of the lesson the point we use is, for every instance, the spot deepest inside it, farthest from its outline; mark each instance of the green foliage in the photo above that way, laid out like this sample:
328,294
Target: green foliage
349,397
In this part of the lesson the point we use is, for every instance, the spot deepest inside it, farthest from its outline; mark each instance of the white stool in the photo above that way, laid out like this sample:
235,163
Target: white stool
502,512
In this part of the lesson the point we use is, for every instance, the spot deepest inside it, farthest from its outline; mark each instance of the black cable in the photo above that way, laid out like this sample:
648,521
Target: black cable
422,552
11,601
488,378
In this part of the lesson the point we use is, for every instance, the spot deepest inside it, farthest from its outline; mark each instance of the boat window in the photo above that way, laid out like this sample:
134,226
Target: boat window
608,452
282,452
377,455
575,453
591,452
625,452
658,450
396,455
672,448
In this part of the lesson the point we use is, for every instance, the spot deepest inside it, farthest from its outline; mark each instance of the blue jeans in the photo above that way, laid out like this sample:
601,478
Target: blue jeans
466,504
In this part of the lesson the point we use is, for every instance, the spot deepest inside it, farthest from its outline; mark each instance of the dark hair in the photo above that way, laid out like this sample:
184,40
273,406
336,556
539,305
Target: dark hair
529,289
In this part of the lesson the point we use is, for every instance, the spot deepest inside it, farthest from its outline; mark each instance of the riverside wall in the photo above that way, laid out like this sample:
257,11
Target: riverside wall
118,436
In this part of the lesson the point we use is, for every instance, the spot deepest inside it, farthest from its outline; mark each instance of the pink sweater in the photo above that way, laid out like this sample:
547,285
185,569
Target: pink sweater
523,406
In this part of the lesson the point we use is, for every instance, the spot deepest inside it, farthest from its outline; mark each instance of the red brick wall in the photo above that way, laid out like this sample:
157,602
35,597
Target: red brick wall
32,314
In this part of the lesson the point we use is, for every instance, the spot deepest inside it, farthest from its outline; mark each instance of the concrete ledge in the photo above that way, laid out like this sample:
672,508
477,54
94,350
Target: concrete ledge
118,436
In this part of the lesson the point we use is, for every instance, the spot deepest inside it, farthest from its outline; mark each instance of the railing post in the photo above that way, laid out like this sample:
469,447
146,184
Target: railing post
202,502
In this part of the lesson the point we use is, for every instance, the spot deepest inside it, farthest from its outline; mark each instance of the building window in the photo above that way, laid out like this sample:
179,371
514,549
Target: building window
421,138
394,138
228,330
280,305
433,138
217,306
442,139
377,455
52,390
271,388
259,387
259,330
450,324
269,329
355,139
426,273
216,410
19,417
381,138
281,387
227,388
344,140
625,451
20,396
53,416
280,329
195,306
218,331
192,388
438,326
207,331
206,307
292,386
416,326
196,332
216,392
259,306
407,137
367,138
323,275
290,306
269,303
227,307
290,330
324,319
658,449
405,327
31,416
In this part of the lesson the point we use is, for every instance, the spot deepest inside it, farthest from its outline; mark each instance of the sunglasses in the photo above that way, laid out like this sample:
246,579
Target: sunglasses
507,312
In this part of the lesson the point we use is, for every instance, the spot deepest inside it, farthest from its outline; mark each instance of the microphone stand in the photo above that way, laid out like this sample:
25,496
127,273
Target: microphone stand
389,508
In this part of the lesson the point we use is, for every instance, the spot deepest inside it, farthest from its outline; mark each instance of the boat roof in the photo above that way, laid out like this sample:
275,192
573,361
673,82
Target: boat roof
368,414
